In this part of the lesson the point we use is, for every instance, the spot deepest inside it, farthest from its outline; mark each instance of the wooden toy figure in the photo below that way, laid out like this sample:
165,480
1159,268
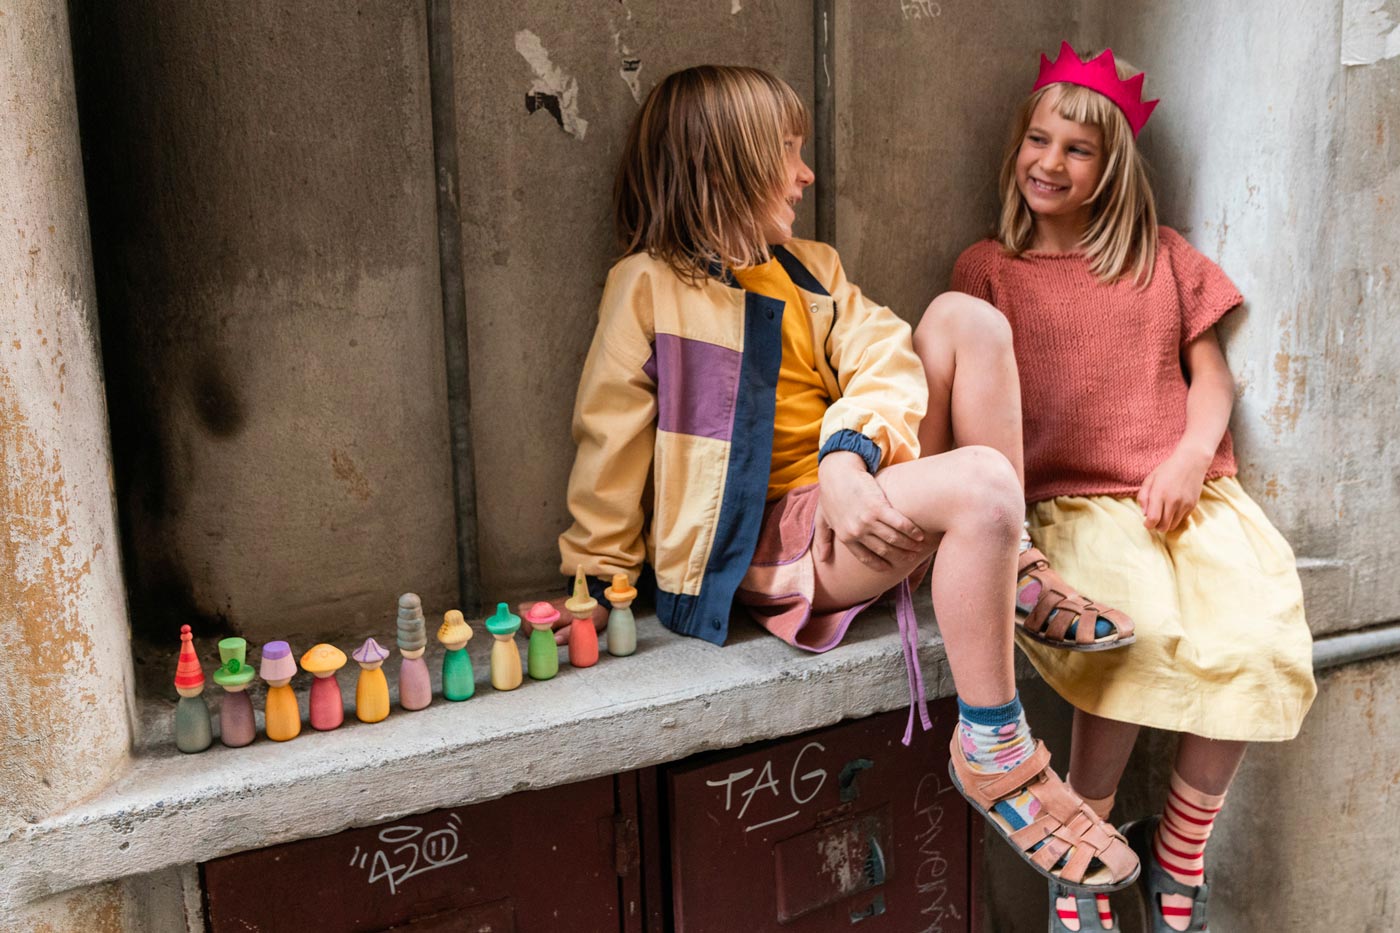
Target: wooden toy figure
415,686
543,654
458,678
283,715
622,627
372,690
583,634
193,732
236,724
327,707
505,657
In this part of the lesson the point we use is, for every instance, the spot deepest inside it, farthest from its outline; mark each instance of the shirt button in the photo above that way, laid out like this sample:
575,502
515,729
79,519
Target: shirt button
770,315
814,307
717,623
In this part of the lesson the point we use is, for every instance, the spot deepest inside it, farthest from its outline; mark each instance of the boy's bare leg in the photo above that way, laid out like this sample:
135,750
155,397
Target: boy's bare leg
972,500
973,386
1208,764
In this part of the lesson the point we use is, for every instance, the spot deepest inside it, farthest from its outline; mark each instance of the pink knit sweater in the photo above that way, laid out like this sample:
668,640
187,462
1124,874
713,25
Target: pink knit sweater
1103,393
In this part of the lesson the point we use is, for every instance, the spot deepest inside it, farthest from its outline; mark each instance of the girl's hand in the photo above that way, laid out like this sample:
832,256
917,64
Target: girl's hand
1171,491
853,510
561,624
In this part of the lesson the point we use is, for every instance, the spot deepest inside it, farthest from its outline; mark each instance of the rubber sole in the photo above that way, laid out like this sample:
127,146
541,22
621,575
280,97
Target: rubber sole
1025,855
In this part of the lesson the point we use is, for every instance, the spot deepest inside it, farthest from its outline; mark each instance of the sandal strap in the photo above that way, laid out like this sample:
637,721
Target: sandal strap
987,788
1059,606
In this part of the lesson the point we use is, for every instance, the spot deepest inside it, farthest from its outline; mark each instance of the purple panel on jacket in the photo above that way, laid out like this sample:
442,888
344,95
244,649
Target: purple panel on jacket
696,386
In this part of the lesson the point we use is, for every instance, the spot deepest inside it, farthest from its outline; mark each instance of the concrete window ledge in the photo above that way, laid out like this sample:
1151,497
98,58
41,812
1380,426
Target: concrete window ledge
674,697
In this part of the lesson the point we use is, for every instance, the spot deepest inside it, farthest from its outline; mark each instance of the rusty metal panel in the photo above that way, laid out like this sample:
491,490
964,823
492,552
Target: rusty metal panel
836,828
541,860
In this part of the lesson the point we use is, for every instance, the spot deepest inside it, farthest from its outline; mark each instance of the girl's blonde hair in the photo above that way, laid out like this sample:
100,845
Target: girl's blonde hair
1121,238
703,168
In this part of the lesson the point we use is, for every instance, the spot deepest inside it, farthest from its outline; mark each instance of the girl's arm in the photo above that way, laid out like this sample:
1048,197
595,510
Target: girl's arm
1170,491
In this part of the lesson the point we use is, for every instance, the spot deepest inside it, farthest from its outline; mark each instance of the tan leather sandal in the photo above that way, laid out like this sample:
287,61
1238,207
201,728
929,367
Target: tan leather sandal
1048,607
1065,841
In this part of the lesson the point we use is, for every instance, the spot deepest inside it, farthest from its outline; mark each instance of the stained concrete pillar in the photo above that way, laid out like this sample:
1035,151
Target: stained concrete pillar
65,659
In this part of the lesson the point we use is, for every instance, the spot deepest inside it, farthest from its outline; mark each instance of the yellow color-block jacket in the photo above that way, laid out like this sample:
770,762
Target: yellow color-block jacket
674,421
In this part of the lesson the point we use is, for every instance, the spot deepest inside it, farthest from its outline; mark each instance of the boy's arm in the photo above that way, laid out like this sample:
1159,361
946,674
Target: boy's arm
614,427
1171,490
883,391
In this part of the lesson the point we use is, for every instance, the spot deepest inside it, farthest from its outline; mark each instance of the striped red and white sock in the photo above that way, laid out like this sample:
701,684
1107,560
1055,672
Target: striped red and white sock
1180,844
1067,907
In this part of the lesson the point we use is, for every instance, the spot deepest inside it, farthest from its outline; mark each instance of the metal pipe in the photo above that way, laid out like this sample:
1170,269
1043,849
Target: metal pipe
824,118
442,98
1348,648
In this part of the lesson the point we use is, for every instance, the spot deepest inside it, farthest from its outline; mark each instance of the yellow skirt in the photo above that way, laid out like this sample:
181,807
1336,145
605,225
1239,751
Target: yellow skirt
1223,650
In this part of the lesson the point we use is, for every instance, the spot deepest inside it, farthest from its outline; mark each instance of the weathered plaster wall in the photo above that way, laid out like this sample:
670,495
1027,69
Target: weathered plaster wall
64,680
262,189
537,235
923,98
1283,165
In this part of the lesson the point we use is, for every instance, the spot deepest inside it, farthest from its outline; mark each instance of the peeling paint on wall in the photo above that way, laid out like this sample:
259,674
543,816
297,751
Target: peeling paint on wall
1368,33
553,90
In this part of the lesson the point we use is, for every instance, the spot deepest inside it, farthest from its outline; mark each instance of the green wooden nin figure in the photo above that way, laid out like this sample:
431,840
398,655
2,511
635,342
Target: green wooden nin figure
458,678
542,658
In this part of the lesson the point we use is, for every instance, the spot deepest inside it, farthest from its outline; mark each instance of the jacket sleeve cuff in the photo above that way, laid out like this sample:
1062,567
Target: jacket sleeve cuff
856,443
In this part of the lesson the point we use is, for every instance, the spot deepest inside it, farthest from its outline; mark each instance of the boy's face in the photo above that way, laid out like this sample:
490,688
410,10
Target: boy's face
1059,163
796,176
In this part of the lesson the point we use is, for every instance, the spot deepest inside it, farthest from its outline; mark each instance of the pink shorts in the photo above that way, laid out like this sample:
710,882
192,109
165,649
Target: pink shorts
780,585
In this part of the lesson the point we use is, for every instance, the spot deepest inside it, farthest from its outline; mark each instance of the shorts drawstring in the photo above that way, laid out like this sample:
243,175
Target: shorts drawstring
909,637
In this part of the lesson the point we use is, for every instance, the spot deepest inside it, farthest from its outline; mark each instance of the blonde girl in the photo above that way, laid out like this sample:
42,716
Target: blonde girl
747,425
1130,476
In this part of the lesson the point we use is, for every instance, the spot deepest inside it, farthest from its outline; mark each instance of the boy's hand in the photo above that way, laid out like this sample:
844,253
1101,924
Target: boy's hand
1171,491
561,624
853,510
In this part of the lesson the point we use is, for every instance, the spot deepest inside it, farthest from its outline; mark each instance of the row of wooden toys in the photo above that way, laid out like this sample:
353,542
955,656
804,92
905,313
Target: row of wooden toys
193,729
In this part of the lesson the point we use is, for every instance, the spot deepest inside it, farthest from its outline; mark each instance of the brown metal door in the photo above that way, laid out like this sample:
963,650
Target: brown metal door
837,828
540,860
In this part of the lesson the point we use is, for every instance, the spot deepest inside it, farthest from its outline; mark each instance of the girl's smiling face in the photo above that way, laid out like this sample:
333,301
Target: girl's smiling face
1059,164
796,176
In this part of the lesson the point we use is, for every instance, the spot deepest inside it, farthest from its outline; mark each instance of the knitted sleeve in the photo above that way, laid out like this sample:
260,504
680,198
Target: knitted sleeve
1204,291
972,273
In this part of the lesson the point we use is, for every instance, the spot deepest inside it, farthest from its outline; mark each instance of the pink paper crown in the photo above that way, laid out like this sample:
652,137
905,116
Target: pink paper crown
1100,75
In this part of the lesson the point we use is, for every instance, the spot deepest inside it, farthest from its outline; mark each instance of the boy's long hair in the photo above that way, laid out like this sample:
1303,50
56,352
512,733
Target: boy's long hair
1121,239
703,168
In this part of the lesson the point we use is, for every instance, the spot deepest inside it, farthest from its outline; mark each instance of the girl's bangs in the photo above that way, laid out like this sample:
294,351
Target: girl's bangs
1083,105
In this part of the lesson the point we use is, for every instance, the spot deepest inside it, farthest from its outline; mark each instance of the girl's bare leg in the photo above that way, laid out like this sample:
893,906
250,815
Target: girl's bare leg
1099,750
1208,764
971,499
974,390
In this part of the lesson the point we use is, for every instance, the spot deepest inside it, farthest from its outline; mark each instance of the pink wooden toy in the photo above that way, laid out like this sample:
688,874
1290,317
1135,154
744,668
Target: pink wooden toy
283,716
236,724
193,731
372,689
327,707
543,654
415,686
583,634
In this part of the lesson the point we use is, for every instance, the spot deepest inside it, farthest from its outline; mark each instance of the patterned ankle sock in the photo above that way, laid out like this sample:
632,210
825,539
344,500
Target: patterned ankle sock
1180,844
1067,907
997,738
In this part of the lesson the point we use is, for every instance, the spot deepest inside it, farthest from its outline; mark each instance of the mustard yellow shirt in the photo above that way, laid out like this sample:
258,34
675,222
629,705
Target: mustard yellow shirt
802,399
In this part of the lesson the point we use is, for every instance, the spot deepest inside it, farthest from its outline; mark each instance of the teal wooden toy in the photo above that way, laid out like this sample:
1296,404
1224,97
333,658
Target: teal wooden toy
542,657
505,657
458,678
